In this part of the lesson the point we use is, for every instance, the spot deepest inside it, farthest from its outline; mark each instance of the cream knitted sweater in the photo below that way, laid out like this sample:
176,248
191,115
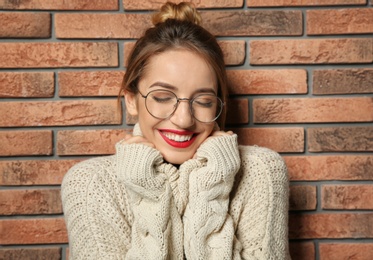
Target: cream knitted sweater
230,202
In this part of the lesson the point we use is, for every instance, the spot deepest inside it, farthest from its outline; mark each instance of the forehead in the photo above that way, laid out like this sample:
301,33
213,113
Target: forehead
181,68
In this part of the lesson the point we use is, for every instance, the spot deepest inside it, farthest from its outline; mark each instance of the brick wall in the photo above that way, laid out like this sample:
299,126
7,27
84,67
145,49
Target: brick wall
302,82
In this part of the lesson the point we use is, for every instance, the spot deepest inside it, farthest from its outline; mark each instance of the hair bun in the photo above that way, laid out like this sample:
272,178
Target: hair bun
183,12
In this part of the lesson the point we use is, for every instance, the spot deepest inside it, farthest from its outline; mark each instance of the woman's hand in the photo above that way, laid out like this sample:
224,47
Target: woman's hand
213,135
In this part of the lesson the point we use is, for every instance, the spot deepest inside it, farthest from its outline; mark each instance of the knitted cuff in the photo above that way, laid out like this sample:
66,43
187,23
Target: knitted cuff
136,164
221,153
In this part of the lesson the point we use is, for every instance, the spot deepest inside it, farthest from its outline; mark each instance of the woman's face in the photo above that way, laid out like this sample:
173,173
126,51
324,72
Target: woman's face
186,74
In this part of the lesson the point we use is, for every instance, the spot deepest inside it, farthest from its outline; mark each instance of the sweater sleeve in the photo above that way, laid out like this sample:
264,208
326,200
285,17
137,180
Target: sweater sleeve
155,216
96,214
208,228
259,205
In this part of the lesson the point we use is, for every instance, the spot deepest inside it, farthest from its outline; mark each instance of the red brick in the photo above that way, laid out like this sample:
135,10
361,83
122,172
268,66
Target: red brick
57,113
89,83
347,196
302,197
26,84
338,167
30,202
302,250
227,23
313,110
238,111
311,51
333,225
279,139
340,139
60,5
341,21
88,142
100,25
272,3
342,81
358,251
23,143
253,23
34,172
151,5
25,25
234,51
252,82
58,54
33,231
50,253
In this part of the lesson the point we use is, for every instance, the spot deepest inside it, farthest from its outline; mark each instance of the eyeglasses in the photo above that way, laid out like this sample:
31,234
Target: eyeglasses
162,104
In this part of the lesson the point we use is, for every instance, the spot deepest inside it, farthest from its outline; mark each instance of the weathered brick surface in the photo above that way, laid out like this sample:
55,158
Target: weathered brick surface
50,253
25,25
333,167
311,51
89,83
243,82
230,23
22,143
151,5
333,225
88,142
234,51
361,251
60,5
342,81
33,231
30,172
48,113
26,84
279,139
313,110
302,197
302,250
253,23
341,21
276,3
98,25
347,196
340,139
30,202
58,54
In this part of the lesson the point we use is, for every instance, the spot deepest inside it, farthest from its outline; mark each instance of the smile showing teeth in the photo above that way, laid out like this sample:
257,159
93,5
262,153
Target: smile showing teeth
177,138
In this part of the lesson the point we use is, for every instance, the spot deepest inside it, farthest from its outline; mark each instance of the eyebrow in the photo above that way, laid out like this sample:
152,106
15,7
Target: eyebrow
173,88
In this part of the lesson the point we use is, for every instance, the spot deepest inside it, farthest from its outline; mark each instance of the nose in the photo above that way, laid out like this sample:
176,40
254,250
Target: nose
182,117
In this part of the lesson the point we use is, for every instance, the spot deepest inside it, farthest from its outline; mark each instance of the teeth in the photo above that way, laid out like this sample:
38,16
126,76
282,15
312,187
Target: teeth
178,138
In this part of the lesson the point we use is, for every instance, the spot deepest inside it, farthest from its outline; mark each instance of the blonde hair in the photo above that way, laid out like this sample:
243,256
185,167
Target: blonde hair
182,12
176,26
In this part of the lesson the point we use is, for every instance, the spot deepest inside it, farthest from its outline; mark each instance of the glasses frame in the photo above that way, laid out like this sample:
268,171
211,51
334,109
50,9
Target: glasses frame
178,100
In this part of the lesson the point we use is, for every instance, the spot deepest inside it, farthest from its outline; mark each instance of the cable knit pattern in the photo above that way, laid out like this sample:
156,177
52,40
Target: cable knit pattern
230,202
208,228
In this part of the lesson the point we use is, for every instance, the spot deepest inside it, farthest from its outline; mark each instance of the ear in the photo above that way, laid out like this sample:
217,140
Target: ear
131,103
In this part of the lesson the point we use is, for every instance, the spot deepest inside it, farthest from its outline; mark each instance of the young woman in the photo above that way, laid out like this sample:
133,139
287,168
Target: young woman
179,187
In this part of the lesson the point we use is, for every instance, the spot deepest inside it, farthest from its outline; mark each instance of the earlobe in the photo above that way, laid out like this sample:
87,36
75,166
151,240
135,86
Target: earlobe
131,104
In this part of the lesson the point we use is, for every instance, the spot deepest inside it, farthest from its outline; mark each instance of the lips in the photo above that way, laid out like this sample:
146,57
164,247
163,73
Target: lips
178,139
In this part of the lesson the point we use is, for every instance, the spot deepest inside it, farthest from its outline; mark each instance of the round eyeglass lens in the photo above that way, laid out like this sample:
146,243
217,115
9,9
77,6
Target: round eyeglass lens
206,108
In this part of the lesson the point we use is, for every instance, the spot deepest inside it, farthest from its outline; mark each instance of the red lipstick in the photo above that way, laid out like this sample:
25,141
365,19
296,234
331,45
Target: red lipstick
176,144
